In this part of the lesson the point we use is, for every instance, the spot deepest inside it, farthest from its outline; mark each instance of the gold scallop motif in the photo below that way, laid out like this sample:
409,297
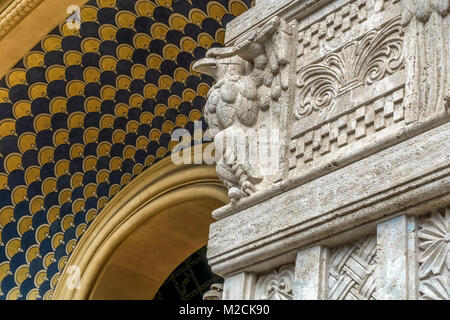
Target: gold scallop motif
75,120
52,43
19,194
92,75
75,88
90,190
124,52
54,73
49,186
46,155
102,176
53,212
125,19
136,100
15,77
115,163
13,161
27,141
90,135
154,61
72,58
12,247
138,71
22,109
34,59
42,122
107,32
103,149
76,180
61,136
145,8
178,22
76,151
36,204
24,224
142,143
159,31
64,196
6,215
32,174
89,163
58,105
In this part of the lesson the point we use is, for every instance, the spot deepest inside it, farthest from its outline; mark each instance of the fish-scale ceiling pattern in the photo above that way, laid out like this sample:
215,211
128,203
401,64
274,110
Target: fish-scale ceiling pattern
87,110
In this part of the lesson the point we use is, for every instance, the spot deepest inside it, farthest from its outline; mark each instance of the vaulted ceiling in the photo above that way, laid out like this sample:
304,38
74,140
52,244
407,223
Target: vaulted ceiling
86,111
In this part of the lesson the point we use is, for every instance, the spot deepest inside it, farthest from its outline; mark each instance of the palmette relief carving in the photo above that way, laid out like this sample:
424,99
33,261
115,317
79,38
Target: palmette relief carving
427,28
249,98
276,285
434,257
352,270
377,55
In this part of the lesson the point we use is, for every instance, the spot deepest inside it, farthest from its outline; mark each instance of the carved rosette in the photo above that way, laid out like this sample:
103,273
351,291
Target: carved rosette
276,285
363,62
434,258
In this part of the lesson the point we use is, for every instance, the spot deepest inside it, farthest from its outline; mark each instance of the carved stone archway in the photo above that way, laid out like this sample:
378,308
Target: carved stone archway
145,232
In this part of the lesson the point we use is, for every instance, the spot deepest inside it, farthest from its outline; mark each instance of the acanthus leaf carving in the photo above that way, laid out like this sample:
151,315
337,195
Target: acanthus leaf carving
362,62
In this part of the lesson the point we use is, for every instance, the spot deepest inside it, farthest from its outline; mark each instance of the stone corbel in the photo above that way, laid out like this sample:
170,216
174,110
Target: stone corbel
247,108
427,42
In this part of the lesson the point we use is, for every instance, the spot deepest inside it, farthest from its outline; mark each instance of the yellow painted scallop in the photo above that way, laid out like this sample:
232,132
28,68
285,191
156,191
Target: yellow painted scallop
46,155
21,274
24,224
142,143
88,13
49,258
118,136
178,22
19,194
71,245
196,16
76,180
57,240
75,120
108,92
205,40
90,135
181,74
6,215
40,277
137,169
34,59
81,229
106,3
154,61
78,205
91,214
102,176
159,31
189,95
108,63
75,88
64,196
236,7
27,141
150,91
3,181
124,52
103,149
165,82
55,72
13,161
90,190
125,179
146,117
114,190
161,152
61,136
32,174
216,11
168,126
42,122
149,160
7,127
174,102
101,203
129,152
92,74
53,212
14,294
138,71
16,76
202,90
51,43
32,253
123,82
121,110
181,120
72,58
33,294
62,167
76,151
160,110
155,134
115,163
4,95
89,163
107,121
145,8
125,19
12,247
36,204
136,100
92,104
21,109
132,126
195,115
170,52
107,32
49,186
58,105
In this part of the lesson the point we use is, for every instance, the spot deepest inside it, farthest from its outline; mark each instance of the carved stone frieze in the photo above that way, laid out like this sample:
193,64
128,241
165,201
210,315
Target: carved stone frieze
276,285
378,54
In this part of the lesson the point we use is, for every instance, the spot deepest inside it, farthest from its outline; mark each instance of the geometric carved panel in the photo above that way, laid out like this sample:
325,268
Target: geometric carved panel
352,270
